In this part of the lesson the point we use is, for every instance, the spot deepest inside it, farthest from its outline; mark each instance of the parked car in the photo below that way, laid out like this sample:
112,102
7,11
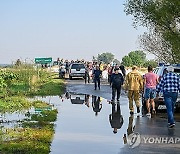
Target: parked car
159,101
77,70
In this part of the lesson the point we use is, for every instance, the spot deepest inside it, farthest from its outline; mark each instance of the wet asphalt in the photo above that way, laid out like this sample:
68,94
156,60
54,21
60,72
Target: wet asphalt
144,135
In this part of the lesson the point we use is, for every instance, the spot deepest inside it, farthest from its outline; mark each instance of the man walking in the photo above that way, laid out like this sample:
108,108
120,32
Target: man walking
150,82
170,85
134,84
97,73
116,81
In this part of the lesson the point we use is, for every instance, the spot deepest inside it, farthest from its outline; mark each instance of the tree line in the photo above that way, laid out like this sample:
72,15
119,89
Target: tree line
137,58
162,19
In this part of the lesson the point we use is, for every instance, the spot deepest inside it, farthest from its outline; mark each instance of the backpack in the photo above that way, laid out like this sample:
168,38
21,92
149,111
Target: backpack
117,80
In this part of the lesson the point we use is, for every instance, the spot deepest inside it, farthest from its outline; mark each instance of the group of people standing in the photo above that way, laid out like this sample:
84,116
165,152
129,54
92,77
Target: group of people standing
148,85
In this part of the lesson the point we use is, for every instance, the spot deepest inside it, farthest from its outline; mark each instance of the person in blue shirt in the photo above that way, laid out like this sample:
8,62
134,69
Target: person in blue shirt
116,82
169,85
97,73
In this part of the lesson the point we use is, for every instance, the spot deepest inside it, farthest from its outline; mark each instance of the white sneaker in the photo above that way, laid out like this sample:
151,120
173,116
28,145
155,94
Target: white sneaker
148,115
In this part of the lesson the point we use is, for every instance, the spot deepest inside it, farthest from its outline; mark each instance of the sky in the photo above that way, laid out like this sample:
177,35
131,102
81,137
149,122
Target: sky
68,29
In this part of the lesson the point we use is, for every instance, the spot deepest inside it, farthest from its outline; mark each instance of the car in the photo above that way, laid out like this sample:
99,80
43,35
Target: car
159,101
77,70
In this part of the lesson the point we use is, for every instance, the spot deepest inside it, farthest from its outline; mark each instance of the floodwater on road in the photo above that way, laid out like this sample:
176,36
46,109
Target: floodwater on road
88,124
92,125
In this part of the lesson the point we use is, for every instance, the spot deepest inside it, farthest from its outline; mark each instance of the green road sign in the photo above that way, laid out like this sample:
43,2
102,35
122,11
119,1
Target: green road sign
43,60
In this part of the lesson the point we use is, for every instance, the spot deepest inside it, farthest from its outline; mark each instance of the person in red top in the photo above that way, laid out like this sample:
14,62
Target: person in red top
150,81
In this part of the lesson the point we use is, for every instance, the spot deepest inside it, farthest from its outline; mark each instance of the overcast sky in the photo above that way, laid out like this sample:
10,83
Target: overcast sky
69,29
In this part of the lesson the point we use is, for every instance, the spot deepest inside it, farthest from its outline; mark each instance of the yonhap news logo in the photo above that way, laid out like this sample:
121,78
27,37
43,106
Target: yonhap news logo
135,139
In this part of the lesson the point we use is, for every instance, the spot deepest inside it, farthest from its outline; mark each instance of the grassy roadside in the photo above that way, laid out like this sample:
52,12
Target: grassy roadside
34,133
50,87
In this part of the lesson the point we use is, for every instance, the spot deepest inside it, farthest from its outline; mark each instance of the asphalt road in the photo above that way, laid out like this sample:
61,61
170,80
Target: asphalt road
148,135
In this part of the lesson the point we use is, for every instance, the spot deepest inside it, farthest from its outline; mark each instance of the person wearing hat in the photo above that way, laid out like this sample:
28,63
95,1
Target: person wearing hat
116,82
134,84
170,85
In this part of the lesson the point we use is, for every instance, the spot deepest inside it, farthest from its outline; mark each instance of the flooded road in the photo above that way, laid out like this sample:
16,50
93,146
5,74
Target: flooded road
88,124
85,124
78,123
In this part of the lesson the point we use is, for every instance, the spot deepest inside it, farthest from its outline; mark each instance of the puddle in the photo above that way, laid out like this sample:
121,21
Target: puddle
84,124
88,124
28,131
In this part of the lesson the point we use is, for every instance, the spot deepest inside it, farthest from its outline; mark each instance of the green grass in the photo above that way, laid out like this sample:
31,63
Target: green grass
27,141
35,134
18,88
33,137
14,104
53,87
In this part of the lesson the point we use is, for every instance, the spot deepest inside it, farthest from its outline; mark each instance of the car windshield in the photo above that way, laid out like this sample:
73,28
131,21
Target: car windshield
76,66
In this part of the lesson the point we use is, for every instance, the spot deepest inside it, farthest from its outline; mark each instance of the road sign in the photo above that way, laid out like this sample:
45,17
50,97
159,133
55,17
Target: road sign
43,60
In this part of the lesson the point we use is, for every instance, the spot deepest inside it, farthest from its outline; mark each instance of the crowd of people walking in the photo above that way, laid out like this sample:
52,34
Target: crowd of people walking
147,86
136,85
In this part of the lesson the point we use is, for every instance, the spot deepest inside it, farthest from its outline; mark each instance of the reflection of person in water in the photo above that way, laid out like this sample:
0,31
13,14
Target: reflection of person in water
130,126
130,129
87,100
116,119
96,105
67,95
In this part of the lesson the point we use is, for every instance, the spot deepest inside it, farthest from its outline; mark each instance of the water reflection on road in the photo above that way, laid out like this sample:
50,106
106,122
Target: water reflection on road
89,124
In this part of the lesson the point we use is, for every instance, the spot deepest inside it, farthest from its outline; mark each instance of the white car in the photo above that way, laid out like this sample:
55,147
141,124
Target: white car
77,70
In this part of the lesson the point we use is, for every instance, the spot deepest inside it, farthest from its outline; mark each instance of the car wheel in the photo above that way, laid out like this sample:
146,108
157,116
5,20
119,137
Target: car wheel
177,108
70,77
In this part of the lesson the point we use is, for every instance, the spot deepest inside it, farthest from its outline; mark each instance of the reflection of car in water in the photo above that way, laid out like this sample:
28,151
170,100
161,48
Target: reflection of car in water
77,98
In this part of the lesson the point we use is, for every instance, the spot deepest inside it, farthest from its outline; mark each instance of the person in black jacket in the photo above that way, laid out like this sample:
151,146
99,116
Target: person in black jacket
116,82
97,73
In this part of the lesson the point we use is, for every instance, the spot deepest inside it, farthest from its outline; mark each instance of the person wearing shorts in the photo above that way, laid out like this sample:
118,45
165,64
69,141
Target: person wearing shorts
150,81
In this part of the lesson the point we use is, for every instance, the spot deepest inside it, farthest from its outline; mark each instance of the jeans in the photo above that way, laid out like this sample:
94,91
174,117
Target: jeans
114,90
87,78
170,100
96,80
